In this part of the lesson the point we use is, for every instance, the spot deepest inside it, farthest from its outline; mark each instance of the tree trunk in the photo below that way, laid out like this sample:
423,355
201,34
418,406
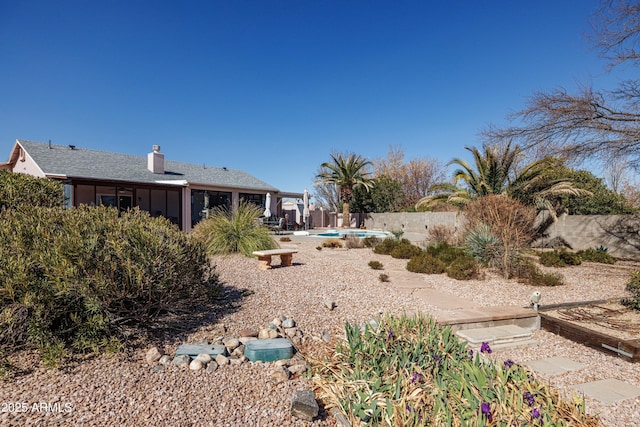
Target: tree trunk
346,218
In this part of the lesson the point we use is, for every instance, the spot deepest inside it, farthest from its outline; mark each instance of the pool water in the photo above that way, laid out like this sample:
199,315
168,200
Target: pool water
355,233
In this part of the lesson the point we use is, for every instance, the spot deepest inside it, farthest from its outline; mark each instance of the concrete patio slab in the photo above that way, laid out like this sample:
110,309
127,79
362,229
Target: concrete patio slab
554,365
609,390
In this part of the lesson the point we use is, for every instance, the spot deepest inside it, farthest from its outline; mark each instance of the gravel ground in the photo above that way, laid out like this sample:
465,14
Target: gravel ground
124,390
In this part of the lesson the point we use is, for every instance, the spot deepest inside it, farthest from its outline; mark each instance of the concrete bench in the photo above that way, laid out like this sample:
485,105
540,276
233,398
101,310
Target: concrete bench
286,256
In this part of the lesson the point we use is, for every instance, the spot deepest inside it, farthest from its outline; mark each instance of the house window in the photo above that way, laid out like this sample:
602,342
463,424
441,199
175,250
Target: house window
256,199
203,200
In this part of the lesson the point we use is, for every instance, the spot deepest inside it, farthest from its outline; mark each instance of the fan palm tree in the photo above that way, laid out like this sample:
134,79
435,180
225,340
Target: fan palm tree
494,174
347,173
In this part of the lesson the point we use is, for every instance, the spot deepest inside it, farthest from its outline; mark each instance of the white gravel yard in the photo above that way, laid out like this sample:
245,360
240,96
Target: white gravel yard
124,390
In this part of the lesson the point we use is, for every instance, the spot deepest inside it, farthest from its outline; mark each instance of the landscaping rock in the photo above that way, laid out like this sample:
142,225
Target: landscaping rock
325,336
235,360
181,360
288,323
212,366
204,358
330,304
280,373
222,360
297,369
196,365
231,344
153,355
248,333
276,322
304,405
239,351
244,340
164,359
291,332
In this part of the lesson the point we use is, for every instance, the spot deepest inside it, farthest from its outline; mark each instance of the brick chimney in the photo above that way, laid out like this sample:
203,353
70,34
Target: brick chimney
155,160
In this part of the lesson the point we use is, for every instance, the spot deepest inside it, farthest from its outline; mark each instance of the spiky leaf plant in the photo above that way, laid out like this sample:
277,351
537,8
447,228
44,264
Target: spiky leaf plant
234,231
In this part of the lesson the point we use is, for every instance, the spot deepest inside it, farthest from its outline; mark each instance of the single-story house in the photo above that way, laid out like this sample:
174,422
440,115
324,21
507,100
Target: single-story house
181,192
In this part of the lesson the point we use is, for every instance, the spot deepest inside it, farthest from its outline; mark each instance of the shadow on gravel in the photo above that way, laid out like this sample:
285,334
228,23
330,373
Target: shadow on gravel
174,327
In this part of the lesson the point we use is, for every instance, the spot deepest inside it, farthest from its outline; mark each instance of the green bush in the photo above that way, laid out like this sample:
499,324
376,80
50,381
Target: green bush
238,230
77,278
332,243
559,258
387,245
376,265
464,268
445,252
371,241
383,277
528,273
21,190
426,263
633,287
596,255
405,250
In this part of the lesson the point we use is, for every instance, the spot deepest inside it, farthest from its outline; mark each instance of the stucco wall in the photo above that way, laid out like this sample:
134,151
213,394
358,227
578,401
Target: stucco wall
618,233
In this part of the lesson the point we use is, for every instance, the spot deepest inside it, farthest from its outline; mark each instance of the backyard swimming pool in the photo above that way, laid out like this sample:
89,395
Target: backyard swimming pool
355,233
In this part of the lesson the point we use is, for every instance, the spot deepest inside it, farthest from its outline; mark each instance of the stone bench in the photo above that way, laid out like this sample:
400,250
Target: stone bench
286,256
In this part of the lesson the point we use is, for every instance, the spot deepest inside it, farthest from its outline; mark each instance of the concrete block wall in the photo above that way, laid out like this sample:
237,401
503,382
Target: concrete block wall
620,234
411,222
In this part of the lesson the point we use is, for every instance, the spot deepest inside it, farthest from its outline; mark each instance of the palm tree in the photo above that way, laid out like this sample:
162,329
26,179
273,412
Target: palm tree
494,174
346,173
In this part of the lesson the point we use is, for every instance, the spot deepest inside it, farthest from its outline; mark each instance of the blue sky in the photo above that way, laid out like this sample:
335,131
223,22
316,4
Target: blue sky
273,87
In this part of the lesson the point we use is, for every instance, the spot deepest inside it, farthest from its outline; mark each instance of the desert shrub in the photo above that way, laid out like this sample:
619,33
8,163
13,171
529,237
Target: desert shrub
528,273
482,245
426,263
633,287
319,248
376,265
596,255
332,243
21,190
397,234
353,242
445,252
285,239
551,259
509,220
383,277
405,250
232,231
75,279
441,234
559,258
371,241
463,268
387,245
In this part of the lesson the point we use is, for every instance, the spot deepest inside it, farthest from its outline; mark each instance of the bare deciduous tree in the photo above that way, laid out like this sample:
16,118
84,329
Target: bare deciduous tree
326,195
416,176
590,123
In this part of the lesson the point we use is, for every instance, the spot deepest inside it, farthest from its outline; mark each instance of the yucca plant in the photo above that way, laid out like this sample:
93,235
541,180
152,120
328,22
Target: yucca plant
483,245
233,231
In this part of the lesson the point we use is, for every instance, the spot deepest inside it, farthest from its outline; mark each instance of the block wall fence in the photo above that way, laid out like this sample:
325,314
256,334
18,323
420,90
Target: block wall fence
618,233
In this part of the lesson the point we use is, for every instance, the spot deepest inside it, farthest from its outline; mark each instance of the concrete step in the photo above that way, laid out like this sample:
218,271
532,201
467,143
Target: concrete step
483,317
498,337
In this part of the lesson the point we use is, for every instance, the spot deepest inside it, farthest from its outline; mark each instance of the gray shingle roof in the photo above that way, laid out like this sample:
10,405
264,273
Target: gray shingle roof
101,165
